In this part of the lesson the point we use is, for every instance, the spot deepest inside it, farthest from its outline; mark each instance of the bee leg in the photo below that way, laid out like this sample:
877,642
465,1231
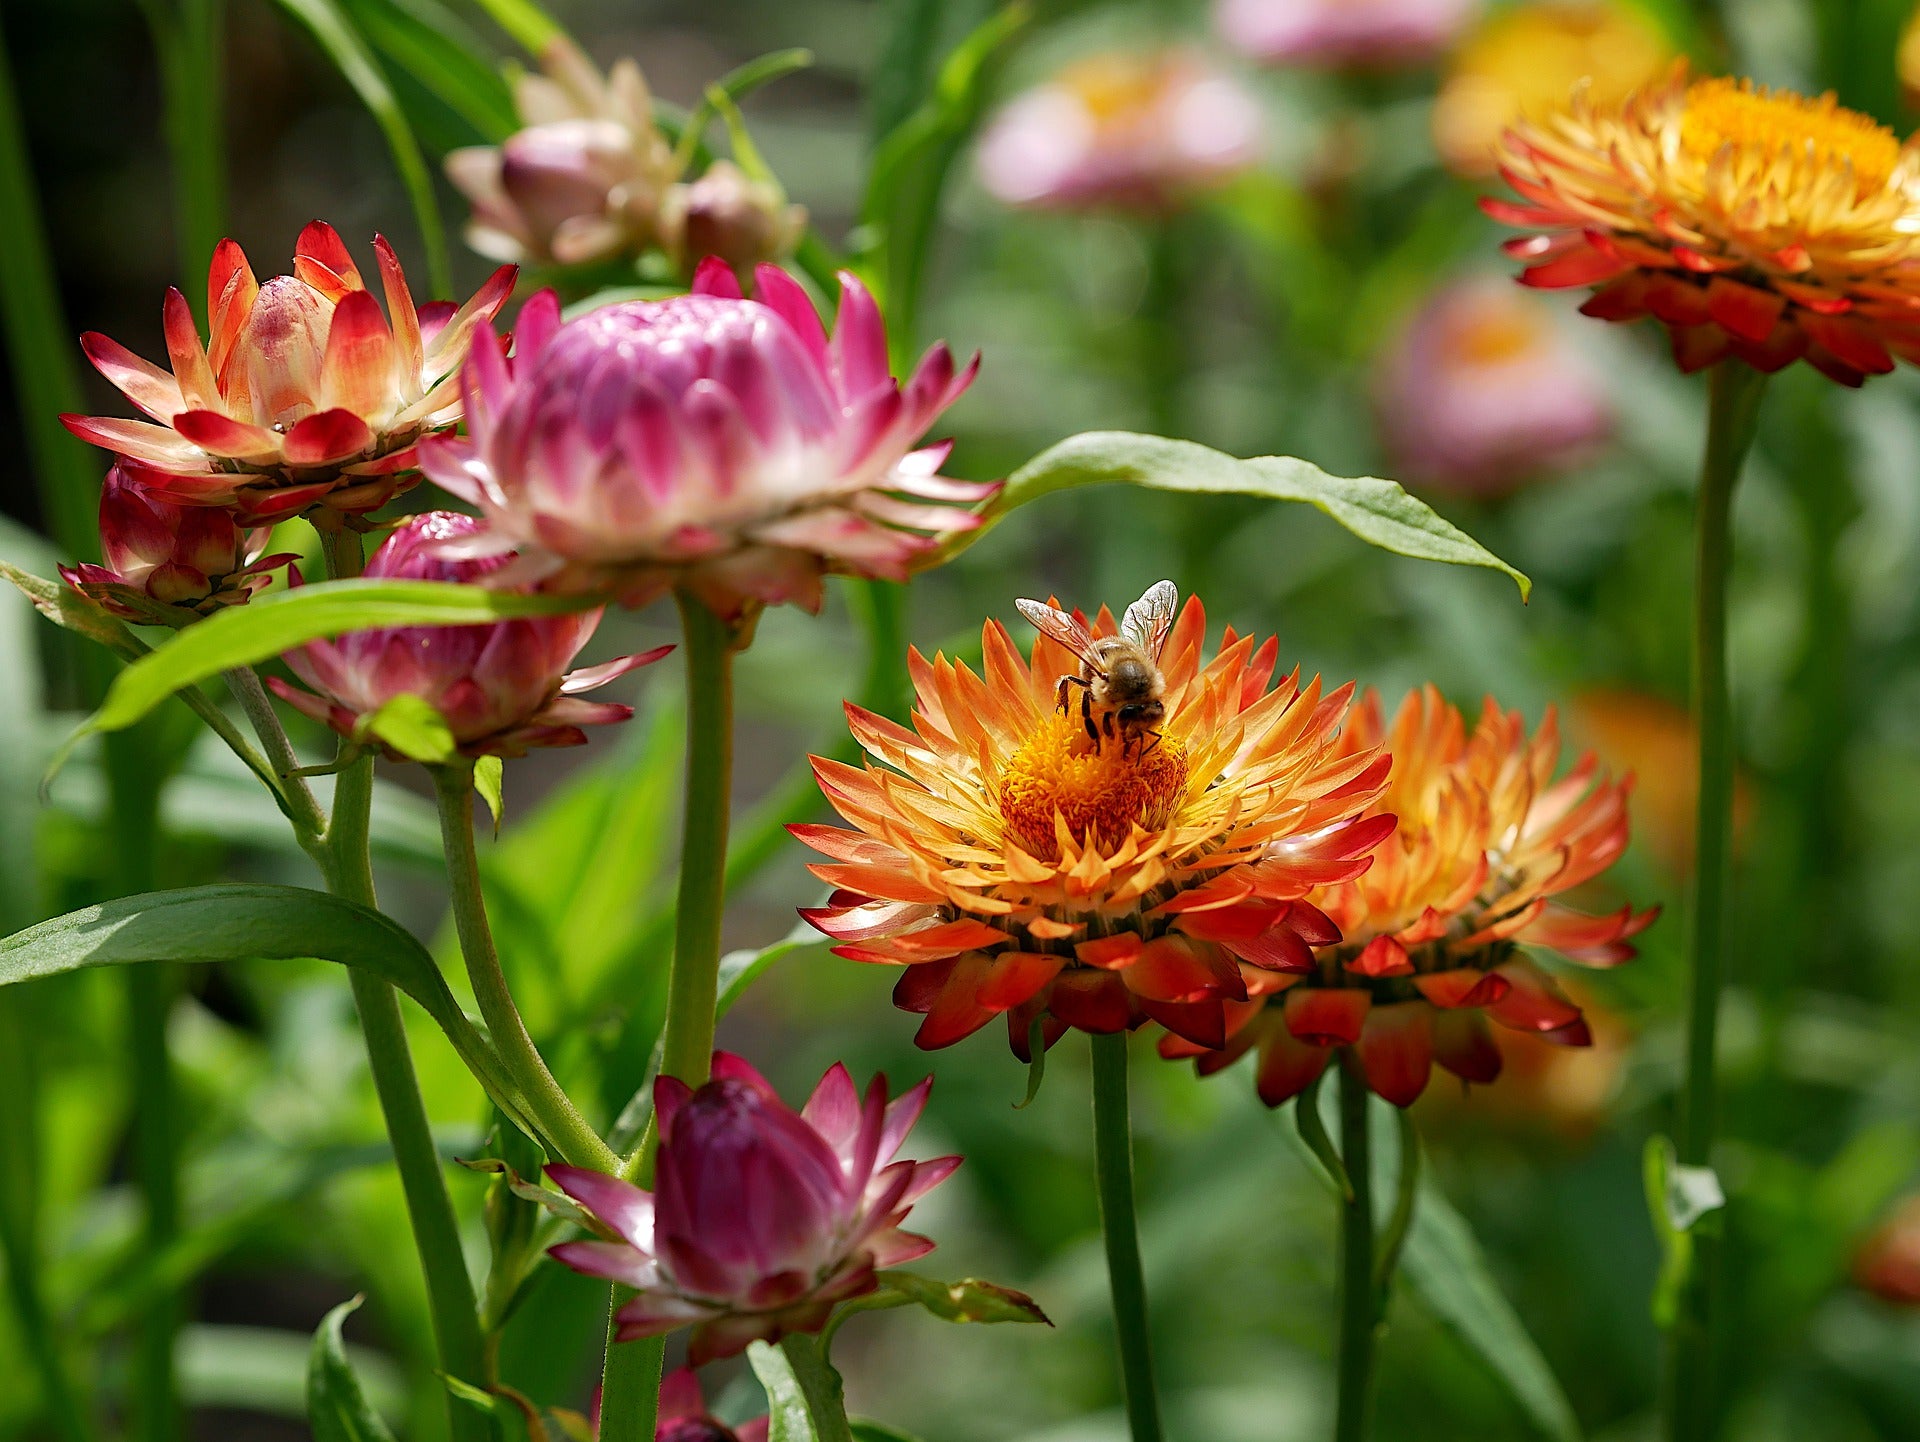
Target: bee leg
1151,746
1086,715
1060,694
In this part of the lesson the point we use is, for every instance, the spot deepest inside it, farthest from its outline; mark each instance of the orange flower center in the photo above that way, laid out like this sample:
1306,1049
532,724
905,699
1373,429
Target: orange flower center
1498,331
1058,776
1115,88
1761,124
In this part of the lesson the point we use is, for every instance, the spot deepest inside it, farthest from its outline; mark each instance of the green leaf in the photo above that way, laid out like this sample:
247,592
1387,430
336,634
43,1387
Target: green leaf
1378,512
489,779
805,1399
1677,1198
337,1407
866,1431
331,28
263,629
411,725
71,611
531,27
1312,1128
246,923
1444,1263
722,97
429,44
969,1300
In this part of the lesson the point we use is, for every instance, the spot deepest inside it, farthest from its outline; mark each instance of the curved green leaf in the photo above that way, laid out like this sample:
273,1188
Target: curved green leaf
333,31
261,630
337,1407
530,26
1378,512
804,1397
246,923
1443,1261
429,44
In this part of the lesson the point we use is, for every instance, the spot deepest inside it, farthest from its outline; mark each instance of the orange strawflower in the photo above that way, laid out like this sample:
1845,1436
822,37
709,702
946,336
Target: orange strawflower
1433,931
1013,863
1750,222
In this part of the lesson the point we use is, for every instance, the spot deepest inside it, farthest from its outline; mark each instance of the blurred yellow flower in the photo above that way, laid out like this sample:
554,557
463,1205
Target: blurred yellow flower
1528,59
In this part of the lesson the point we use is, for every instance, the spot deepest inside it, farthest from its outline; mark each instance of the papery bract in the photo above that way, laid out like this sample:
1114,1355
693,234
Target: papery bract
1011,866
729,214
1138,131
307,399
762,1219
1525,60
1431,934
1483,390
584,177
709,443
1341,34
501,686
1751,223
189,560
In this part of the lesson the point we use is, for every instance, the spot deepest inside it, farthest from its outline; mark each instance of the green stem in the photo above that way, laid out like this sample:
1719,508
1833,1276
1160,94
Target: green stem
1113,1165
305,813
436,1231
1359,1297
1733,410
578,1143
630,1389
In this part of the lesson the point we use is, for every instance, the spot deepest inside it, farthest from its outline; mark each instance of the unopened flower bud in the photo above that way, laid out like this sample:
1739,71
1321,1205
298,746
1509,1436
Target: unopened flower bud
746,222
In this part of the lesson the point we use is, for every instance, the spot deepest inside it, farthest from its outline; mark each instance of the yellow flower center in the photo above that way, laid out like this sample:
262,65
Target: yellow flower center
1100,792
1761,124
1114,87
1497,331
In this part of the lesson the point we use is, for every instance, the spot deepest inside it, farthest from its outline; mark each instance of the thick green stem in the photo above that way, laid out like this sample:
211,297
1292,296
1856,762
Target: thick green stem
1732,412
631,1385
1113,1166
1359,1296
578,1143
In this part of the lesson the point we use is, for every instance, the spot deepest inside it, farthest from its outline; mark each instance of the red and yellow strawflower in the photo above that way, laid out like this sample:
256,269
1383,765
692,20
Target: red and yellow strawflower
1012,865
1433,933
1752,223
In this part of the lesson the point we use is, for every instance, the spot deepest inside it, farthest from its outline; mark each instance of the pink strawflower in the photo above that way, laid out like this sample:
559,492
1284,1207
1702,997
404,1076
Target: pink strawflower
308,399
1343,34
1137,131
709,443
1484,390
501,686
189,560
762,1219
683,1415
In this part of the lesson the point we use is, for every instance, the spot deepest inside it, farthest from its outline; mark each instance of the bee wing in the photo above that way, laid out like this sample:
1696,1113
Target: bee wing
1150,618
1052,621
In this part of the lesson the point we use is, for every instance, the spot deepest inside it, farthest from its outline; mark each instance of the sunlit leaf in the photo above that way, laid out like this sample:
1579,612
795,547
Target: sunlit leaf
968,1300
411,725
337,1406
489,779
805,1401
1378,512
427,43
265,628
531,27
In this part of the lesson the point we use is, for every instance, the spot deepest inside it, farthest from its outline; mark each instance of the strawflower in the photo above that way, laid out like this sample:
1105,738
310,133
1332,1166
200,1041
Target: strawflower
166,562
1751,223
762,1219
1012,864
1135,131
710,443
307,399
501,686
1525,60
1484,390
1887,1263
1432,934
583,180
745,221
683,1415
1343,34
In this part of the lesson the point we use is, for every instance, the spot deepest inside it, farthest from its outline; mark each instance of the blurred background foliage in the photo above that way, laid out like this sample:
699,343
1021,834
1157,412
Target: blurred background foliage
1258,317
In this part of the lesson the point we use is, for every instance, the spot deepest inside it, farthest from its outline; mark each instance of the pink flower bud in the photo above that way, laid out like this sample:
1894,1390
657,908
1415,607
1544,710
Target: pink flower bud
501,686
763,1219
709,443
745,222
192,559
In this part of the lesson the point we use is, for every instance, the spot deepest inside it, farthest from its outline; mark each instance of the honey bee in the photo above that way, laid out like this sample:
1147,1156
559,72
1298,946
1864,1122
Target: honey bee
1121,689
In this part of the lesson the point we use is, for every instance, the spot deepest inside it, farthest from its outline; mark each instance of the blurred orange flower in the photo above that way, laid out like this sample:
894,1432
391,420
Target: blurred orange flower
1750,222
1655,741
1888,1262
1012,864
1526,60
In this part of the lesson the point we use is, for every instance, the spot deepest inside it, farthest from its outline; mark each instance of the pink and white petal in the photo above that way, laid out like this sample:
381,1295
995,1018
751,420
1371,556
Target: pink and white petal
357,373
326,437
621,1205
786,298
140,381
322,260
834,1110
859,345
615,1261
404,318
224,436
139,440
587,678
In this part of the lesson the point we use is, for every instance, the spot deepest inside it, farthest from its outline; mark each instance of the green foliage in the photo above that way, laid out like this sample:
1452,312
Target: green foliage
337,1407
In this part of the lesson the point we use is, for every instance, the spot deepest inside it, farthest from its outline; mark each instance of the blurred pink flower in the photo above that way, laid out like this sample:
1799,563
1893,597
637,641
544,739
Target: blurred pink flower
1343,34
307,399
1483,391
761,1218
192,559
1138,131
502,687
583,180
708,443
726,212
